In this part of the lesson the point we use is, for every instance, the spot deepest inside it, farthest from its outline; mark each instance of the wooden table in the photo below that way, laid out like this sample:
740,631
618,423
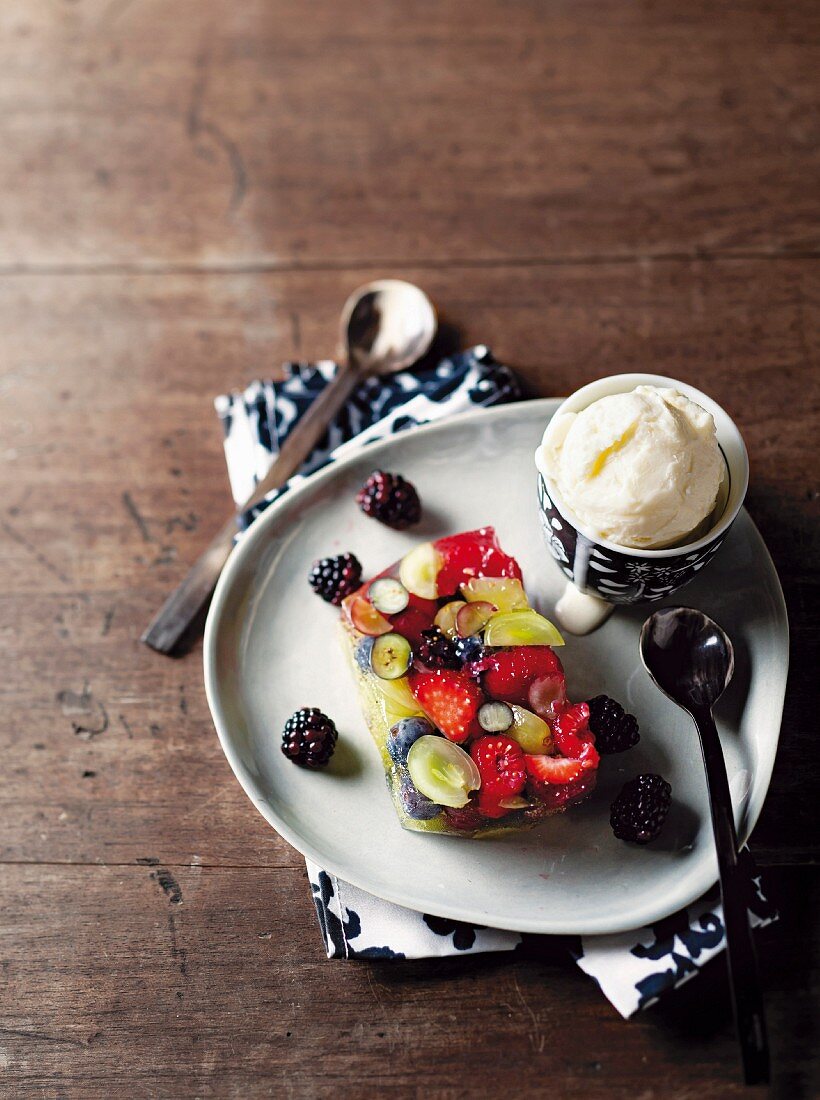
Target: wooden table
189,191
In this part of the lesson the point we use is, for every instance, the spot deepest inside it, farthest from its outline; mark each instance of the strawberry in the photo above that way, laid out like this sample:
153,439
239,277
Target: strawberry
552,769
450,700
500,763
472,554
510,674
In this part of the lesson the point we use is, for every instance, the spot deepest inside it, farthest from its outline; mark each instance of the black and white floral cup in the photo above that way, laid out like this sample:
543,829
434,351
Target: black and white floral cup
624,575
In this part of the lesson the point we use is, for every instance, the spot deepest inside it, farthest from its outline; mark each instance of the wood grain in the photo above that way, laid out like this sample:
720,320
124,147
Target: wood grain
264,134
209,982
189,193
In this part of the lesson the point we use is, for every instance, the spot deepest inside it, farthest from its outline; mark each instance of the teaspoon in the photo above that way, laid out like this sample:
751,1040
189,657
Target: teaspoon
691,659
386,325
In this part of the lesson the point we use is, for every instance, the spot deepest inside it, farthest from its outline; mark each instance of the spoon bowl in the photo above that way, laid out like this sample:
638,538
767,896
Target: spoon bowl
387,325
688,655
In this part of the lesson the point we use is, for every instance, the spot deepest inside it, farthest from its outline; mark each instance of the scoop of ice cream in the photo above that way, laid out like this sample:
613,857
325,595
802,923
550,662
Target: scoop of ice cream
640,469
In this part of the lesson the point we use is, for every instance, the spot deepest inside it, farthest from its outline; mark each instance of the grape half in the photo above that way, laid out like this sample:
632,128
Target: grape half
442,771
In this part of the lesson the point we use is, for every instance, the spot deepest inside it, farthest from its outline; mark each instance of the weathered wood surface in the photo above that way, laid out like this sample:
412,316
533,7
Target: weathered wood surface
283,133
189,192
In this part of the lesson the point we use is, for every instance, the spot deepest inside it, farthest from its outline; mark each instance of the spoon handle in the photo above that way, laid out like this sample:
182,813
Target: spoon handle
735,888
175,619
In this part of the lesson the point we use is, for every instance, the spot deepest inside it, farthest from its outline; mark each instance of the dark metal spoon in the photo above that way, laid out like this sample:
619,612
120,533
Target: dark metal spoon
692,660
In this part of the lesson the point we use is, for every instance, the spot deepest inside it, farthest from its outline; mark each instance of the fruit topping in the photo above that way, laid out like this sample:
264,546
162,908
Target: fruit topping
419,569
404,734
309,738
507,593
435,650
388,595
509,674
366,618
552,770
614,730
390,499
451,701
335,578
442,771
473,617
567,727
415,804
639,811
495,717
531,732
445,619
472,554
469,649
500,763
399,700
522,627
391,656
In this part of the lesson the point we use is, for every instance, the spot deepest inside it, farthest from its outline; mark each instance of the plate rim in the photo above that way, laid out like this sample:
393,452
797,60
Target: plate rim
220,604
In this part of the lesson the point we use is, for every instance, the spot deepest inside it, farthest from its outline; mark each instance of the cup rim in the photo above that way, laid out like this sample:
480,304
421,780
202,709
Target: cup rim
729,440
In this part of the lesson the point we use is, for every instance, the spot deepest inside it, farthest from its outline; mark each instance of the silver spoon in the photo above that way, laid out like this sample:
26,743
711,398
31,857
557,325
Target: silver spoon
691,660
385,326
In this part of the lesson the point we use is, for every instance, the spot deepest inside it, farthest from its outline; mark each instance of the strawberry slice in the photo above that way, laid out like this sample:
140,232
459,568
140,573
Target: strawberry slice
472,554
450,700
552,769
510,674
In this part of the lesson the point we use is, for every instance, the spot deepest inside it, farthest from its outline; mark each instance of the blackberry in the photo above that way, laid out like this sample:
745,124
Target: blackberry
435,650
469,649
614,730
390,499
639,811
309,738
335,578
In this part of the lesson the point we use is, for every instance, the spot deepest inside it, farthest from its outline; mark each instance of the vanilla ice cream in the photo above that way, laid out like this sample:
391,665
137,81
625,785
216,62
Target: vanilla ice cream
640,469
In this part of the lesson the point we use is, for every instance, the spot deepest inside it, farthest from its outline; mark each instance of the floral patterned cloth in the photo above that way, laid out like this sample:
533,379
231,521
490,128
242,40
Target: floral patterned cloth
632,969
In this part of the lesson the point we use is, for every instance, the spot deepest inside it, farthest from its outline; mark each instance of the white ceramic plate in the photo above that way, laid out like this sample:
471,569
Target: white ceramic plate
271,647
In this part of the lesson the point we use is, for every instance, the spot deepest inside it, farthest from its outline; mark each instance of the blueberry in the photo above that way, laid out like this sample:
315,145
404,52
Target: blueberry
363,652
469,649
404,734
416,804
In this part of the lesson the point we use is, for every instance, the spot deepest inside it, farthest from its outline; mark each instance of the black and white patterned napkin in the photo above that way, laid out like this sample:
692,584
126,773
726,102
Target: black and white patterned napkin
633,968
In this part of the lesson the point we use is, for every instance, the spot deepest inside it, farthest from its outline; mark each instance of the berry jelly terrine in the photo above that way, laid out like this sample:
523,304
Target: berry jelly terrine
463,692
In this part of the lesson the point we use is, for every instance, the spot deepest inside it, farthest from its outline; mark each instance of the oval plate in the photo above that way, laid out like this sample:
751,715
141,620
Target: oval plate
271,646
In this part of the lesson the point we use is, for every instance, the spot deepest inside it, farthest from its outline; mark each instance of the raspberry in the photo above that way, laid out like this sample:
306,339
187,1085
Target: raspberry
451,700
572,737
435,650
511,674
335,578
309,738
614,730
556,795
500,763
390,499
639,811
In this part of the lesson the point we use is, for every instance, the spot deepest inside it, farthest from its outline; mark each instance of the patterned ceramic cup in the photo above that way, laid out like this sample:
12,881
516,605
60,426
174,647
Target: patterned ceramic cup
620,574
